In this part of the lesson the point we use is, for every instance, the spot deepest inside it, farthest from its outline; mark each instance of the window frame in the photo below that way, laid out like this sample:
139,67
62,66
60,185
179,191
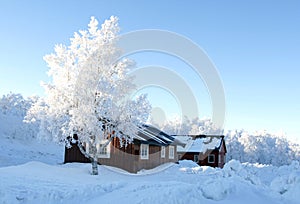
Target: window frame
196,156
214,159
171,152
163,152
103,154
144,148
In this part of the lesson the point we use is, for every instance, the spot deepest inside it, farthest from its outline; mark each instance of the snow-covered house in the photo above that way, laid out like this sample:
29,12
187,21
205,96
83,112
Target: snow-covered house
150,148
206,150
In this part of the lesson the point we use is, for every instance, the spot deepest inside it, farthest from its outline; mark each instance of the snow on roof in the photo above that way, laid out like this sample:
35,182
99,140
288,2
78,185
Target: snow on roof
152,135
139,138
199,144
153,130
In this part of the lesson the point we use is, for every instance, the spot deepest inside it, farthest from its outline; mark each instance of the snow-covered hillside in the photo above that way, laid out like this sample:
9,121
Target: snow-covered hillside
32,172
13,108
18,143
16,152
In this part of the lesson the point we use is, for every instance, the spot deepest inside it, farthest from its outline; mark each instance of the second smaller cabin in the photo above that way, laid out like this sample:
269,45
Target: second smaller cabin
206,150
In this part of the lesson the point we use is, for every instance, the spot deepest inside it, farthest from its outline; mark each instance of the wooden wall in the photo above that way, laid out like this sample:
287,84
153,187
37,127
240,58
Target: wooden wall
125,158
73,154
129,158
203,158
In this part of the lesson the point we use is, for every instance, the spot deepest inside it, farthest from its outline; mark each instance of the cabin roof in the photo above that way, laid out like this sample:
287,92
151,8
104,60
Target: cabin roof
148,134
199,143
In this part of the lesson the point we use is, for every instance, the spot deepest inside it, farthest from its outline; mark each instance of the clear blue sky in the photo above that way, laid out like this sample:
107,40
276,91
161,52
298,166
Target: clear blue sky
254,44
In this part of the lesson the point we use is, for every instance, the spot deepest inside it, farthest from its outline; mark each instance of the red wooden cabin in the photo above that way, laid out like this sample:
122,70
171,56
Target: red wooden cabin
150,148
206,150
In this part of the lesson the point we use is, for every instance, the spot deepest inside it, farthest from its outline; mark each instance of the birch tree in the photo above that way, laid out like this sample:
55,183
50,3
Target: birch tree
89,91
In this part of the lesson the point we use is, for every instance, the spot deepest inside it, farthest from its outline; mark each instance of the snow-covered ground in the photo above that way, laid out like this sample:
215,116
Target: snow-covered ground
186,182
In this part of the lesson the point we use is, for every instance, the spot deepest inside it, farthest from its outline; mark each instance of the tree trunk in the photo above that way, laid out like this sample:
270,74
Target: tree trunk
94,167
92,158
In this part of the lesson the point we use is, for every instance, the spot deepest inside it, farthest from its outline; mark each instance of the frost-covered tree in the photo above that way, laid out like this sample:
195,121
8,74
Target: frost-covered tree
88,94
176,126
204,126
261,147
16,104
185,126
13,108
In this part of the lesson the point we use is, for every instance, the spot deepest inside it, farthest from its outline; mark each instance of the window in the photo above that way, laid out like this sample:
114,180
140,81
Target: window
220,158
171,152
144,151
211,158
196,158
103,151
163,152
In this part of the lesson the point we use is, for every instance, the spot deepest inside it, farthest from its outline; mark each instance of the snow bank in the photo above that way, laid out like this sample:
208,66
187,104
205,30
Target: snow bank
186,182
288,183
